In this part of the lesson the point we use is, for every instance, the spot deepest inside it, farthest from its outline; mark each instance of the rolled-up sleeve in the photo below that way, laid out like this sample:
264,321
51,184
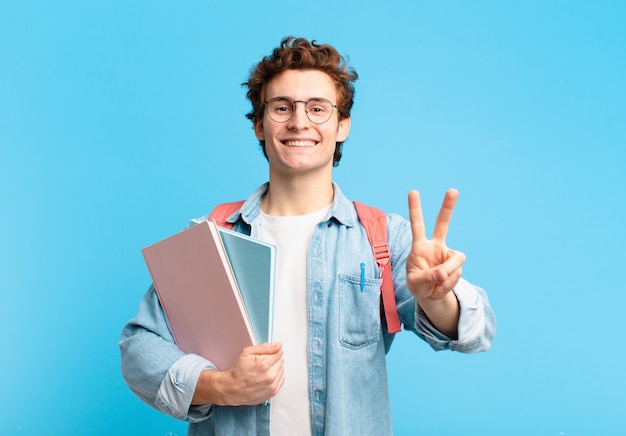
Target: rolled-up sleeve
155,369
177,388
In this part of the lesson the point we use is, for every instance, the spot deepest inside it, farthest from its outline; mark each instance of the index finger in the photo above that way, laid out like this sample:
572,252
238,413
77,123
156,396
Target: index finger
445,215
416,217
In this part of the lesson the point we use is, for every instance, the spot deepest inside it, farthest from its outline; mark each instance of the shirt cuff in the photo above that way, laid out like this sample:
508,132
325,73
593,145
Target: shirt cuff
472,315
177,388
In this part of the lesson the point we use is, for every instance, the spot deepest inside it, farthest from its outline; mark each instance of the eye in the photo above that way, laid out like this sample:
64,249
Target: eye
281,106
318,107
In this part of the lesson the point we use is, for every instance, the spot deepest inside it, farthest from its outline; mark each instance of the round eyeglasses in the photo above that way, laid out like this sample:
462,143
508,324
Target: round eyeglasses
281,109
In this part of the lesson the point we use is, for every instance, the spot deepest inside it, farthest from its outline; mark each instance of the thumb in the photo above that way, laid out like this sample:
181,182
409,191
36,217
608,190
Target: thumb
265,348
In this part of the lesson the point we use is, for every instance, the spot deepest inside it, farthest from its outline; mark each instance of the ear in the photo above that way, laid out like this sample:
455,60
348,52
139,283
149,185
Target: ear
343,129
258,130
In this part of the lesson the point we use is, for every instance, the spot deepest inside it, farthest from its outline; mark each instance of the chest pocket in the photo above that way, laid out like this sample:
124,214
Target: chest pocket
359,312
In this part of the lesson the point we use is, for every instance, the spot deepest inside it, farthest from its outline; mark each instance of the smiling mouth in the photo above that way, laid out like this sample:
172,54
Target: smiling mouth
303,143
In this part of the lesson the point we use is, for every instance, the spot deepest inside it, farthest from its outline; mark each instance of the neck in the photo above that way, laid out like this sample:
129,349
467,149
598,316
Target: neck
298,197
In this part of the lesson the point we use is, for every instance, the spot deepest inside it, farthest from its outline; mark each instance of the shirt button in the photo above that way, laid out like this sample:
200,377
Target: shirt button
316,344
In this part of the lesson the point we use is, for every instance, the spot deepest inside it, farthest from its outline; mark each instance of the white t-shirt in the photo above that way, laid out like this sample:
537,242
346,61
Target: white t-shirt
290,409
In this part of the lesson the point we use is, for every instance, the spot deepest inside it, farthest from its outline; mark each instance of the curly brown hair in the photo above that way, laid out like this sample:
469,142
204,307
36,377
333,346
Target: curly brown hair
298,53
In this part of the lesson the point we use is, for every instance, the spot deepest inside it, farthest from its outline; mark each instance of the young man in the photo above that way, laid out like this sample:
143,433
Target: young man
326,372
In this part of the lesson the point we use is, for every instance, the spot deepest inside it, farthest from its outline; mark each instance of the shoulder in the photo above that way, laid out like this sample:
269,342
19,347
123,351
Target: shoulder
247,209
398,234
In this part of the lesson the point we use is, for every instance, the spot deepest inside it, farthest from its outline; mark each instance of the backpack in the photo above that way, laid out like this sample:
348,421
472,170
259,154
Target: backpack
374,222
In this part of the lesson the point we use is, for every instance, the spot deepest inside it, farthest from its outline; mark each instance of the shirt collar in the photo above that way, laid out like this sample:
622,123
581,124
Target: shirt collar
341,210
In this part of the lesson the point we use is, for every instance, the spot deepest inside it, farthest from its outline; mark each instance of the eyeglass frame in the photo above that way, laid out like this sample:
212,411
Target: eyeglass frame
306,102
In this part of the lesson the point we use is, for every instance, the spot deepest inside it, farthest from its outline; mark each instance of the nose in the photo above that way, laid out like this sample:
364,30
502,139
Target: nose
300,119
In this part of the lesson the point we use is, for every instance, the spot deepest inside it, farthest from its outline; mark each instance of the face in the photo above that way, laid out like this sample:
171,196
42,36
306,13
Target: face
300,146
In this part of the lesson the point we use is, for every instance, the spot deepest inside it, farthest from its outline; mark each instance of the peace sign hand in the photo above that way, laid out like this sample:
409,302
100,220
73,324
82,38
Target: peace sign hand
432,269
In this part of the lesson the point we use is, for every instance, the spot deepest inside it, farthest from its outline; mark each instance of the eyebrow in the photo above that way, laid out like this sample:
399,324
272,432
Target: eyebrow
293,99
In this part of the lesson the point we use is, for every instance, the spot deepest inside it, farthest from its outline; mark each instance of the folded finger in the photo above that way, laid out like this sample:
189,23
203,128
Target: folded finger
455,260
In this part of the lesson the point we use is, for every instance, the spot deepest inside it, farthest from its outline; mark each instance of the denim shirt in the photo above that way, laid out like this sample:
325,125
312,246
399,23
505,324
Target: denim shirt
347,340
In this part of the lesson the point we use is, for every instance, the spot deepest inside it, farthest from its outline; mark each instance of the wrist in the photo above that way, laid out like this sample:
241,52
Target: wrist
210,388
446,301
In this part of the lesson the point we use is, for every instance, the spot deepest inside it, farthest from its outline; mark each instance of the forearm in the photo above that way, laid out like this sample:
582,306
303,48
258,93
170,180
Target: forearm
476,325
442,313
147,349
155,369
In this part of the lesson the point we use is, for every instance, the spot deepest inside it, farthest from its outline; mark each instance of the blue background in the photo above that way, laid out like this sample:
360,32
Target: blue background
119,121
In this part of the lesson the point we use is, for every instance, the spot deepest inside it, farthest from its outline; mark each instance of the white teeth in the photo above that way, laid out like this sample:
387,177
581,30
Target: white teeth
300,143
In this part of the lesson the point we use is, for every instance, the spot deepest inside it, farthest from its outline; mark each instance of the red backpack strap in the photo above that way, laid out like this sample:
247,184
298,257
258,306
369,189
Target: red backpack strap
374,221
221,212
